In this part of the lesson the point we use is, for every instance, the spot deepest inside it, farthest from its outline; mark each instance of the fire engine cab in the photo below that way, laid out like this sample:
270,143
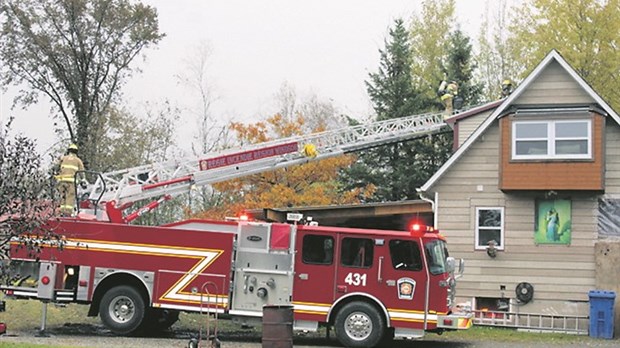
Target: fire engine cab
368,284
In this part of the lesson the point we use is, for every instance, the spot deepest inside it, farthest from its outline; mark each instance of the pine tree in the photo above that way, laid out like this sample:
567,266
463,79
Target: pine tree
391,87
395,170
459,66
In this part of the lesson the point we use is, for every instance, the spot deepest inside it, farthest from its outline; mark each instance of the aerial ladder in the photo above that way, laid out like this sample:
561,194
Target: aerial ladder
116,191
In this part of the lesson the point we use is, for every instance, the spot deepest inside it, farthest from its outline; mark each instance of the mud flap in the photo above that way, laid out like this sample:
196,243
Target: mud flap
47,281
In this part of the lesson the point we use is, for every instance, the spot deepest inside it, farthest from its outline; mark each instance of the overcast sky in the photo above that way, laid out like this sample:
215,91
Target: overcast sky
324,47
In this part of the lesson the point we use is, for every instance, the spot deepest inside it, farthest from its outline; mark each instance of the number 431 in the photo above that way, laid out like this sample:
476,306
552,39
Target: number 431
355,279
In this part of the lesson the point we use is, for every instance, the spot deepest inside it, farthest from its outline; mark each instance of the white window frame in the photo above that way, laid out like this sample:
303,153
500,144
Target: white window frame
551,140
478,228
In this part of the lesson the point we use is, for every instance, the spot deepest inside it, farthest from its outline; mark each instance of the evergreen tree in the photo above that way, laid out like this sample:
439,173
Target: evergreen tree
460,67
395,170
391,88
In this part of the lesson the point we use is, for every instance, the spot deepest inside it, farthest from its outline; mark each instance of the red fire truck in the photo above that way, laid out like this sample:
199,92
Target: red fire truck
366,283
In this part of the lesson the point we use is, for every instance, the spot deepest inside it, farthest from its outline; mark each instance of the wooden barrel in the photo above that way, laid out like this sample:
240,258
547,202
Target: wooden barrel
278,326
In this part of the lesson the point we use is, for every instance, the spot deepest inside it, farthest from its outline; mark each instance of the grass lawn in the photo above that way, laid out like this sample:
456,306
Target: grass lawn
25,315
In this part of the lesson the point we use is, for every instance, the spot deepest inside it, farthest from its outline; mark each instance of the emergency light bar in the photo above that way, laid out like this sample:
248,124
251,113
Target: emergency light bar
415,227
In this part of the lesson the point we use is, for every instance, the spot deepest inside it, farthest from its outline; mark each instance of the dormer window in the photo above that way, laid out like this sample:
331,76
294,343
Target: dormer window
552,139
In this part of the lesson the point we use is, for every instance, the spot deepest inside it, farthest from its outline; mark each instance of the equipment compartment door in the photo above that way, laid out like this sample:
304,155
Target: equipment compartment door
313,287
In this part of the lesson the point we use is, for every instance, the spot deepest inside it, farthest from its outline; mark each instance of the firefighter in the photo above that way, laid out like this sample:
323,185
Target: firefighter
70,164
506,88
447,92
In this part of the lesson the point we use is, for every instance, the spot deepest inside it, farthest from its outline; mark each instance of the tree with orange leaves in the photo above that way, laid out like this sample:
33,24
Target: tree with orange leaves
310,184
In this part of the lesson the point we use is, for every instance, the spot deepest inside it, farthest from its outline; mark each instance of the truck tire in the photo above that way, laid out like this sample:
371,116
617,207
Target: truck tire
359,324
122,309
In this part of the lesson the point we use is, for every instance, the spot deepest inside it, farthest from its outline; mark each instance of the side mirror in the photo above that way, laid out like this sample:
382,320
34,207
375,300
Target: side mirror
450,264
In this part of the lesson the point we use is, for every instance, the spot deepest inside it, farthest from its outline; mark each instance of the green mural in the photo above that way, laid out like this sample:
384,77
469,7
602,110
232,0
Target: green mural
553,221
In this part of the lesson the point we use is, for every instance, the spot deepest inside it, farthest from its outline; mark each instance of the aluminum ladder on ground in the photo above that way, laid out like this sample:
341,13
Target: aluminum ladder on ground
571,324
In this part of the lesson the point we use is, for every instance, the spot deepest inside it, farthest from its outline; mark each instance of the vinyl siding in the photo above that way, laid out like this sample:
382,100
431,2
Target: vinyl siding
469,124
554,86
612,160
558,272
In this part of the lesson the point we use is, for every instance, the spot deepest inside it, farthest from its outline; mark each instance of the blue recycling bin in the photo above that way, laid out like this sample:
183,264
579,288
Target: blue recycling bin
602,313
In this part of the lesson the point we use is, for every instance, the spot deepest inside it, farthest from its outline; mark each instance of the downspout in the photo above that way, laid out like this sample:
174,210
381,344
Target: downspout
433,203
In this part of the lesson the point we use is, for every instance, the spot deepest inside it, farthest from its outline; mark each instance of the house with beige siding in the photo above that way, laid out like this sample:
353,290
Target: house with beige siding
530,199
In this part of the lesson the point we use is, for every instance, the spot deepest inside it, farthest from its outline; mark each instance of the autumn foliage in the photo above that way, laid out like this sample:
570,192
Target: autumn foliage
309,184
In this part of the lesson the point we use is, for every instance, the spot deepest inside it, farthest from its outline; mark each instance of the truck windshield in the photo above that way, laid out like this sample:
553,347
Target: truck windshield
436,255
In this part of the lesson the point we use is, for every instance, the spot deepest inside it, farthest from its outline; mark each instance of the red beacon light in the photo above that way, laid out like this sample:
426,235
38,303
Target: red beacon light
417,228
244,217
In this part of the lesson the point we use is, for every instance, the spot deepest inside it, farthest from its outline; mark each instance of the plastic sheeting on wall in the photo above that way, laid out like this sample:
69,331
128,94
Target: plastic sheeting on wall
609,217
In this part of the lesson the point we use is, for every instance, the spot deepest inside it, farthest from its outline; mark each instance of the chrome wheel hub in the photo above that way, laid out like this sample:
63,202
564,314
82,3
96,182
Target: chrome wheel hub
358,326
121,309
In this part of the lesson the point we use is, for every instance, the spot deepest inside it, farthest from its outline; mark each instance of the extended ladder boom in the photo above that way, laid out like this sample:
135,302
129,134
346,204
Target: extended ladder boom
123,187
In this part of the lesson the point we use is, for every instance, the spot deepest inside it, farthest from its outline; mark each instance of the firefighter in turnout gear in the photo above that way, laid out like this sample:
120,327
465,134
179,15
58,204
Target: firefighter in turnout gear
447,92
506,88
70,164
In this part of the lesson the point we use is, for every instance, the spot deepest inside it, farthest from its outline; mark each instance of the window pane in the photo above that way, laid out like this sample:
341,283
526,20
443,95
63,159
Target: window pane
318,249
489,218
531,147
436,255
531,130
485,236
405,255
356,252
571,147
571,129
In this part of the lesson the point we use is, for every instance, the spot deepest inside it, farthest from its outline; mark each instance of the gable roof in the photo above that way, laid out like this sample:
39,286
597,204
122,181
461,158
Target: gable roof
551,57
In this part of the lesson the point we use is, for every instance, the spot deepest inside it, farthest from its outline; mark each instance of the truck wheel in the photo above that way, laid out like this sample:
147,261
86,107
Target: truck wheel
359,324
122,309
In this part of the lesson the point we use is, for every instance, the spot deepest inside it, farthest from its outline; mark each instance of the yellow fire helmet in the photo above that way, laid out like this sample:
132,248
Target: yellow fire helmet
310,150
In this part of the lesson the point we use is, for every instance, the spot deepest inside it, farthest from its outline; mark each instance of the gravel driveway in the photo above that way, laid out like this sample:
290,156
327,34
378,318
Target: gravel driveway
78,335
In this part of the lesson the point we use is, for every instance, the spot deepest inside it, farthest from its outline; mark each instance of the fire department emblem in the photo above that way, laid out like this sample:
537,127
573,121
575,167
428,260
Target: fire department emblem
406,288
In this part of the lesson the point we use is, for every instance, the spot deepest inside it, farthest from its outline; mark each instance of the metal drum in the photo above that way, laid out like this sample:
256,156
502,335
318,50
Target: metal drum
278,326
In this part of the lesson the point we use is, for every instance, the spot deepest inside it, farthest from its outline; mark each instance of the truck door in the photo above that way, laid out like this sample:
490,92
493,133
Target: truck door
357,265
403,279
313,287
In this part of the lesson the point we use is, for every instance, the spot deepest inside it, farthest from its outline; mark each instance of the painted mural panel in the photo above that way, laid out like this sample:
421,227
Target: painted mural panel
553,221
